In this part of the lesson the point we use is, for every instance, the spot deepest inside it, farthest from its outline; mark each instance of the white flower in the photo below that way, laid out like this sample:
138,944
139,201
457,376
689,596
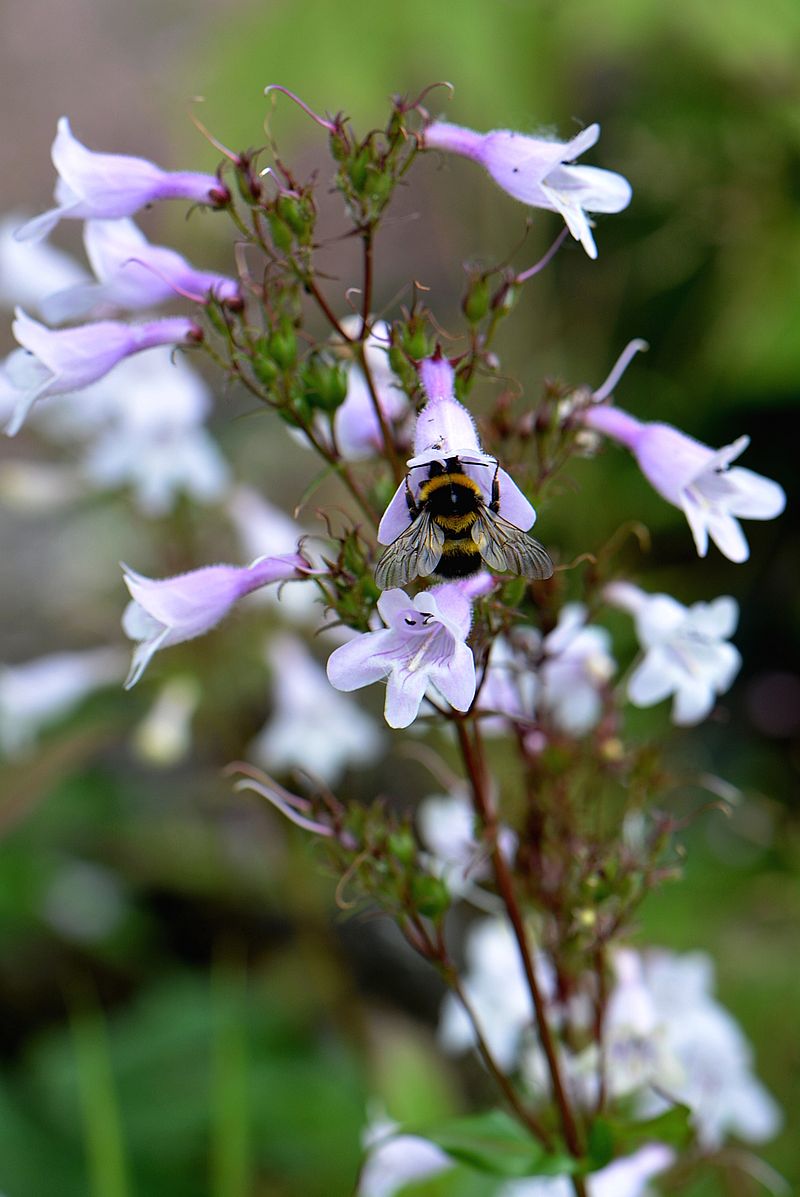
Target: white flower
312,726
38,693
394,1161
698,1054
498,992
164,736
447,829
533,170
624,1178
695,478
576,668
686,652
30,271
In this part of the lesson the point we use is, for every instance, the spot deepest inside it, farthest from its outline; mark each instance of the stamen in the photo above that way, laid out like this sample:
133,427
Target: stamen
619,368
329,125
540,265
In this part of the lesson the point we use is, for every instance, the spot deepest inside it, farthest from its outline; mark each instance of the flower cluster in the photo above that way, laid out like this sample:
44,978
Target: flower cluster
426,580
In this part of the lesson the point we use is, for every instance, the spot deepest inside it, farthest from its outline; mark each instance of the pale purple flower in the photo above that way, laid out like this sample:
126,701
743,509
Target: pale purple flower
533,170
686,650
167,611
695,478
36,694
445,429
94,186
355,424
498,992
132,274
311,726
395,1160
422,645
627,1177
57,361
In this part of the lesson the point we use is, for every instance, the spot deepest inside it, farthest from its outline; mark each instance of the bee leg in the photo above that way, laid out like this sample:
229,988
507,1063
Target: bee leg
495,503
413,508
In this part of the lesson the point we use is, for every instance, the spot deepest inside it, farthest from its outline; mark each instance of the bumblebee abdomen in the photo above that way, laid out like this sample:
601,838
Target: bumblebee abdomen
460,558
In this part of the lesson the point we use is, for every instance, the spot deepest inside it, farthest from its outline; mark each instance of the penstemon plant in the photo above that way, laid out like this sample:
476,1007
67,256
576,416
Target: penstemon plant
612,1066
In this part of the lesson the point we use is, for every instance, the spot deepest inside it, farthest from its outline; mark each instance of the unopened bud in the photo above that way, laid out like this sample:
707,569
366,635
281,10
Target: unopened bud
430,896
283,346
475,304
325,384
403,846
282,236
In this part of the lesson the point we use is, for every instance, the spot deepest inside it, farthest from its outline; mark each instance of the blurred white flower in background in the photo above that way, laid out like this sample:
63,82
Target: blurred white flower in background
313,727
38,693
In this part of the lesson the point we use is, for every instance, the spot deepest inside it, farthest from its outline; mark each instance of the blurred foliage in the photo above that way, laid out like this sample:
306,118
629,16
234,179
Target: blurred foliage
217,1033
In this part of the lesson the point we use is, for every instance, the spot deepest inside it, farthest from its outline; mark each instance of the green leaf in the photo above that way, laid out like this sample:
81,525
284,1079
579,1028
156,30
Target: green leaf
601,1144
673,1127
495,1143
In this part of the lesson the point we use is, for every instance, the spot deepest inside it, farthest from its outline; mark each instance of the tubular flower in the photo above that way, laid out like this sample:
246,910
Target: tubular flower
696,478
95,186
445,429
132,274
423,644
167,611
686,652
533,170
57,361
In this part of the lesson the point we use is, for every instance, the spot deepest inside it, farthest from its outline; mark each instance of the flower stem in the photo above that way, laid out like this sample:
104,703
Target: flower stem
471,751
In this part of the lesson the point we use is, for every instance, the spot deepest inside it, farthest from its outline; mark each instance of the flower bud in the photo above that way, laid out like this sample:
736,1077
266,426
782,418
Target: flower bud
430,896
402,845
325,384
297,214
283,346
264,367
475,304
282,237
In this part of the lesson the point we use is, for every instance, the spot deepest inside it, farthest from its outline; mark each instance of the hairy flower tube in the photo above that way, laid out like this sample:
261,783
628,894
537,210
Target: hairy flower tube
166,611
56,361
94,186
533,170
131,273
423,644
695,478
686,650
444,430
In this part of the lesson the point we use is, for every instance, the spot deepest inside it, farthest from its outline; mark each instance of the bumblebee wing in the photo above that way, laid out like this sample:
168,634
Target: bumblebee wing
503,546
415,553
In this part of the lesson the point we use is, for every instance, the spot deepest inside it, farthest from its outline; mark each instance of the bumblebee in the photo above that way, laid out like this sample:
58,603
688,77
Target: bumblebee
454,531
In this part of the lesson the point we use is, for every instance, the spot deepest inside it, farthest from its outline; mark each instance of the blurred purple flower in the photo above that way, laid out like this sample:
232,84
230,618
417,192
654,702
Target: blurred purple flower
532,170
95,186
132,274
56,361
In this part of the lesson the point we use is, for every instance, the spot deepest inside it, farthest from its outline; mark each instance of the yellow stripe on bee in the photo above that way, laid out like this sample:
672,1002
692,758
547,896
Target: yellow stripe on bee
456,523
427,487
465,547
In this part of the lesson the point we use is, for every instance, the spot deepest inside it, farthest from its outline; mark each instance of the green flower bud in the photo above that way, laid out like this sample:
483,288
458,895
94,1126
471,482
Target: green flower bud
403,846
325,384
283,346
282,236
296,214
476,301
264,367
430,895
358,169
416,343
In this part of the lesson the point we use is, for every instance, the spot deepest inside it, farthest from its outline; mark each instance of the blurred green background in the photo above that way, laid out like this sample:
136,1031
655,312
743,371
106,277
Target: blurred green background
196,1018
